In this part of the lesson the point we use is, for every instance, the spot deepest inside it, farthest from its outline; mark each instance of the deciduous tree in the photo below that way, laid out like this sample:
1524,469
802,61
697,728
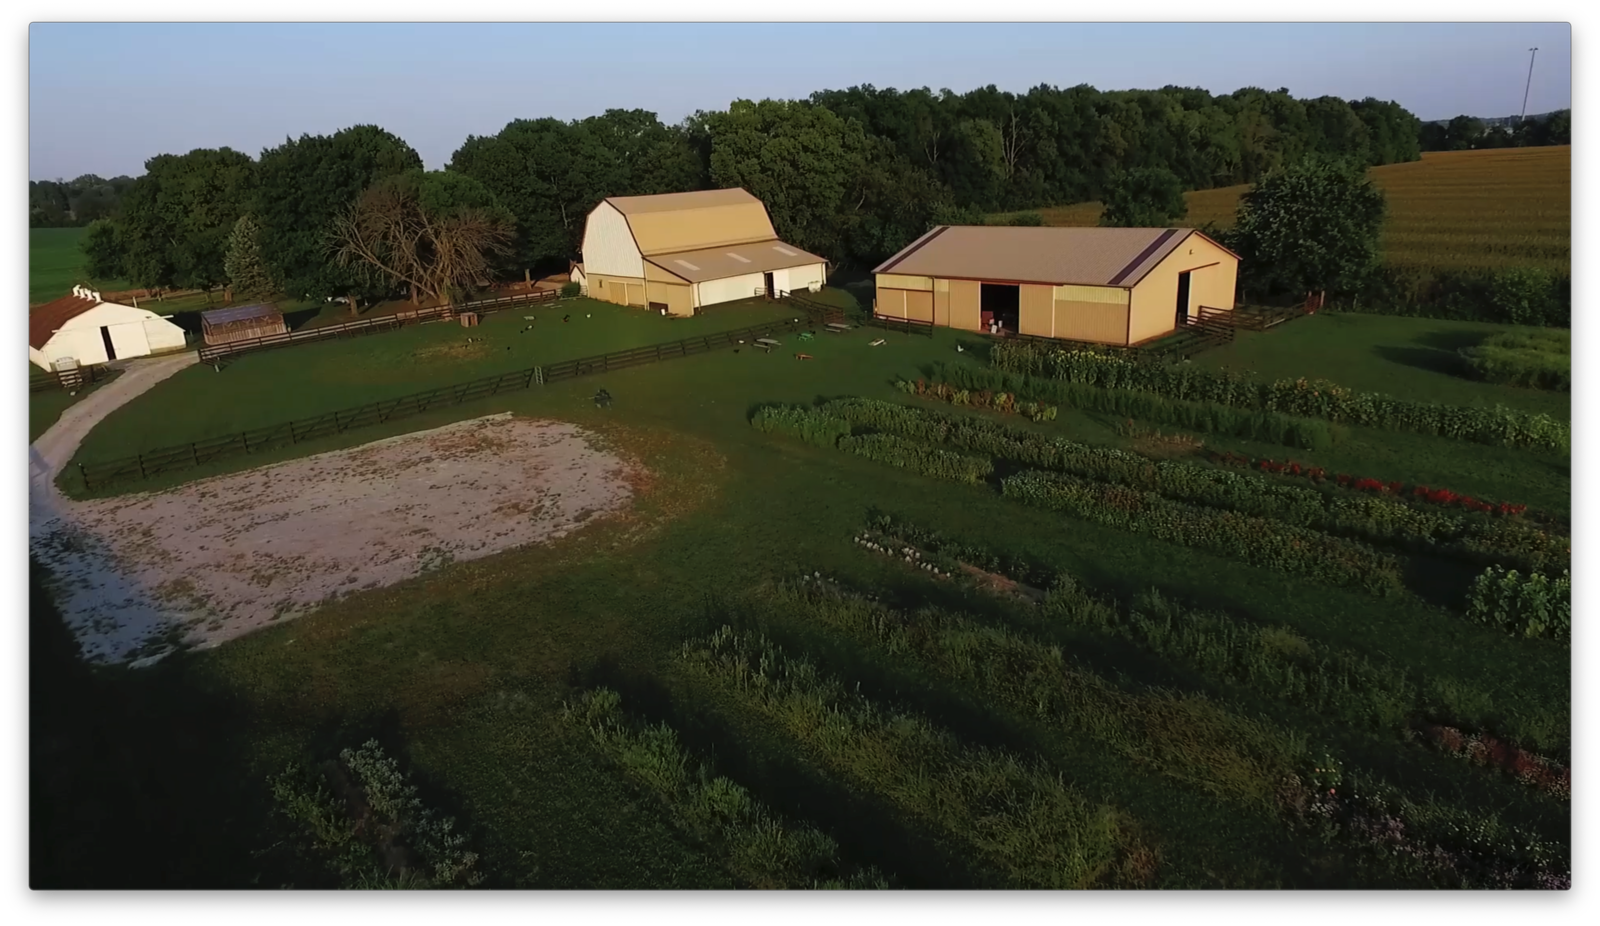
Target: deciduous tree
437,232
1145,197
1311,227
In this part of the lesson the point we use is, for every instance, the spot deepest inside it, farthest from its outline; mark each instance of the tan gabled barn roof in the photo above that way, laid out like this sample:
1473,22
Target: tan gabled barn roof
676,222
733,260
1031,254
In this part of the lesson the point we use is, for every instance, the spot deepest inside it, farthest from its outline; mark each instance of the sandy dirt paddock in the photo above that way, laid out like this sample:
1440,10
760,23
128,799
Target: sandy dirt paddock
209,561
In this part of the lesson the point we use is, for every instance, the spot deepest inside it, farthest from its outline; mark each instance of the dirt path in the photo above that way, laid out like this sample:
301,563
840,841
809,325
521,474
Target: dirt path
214,559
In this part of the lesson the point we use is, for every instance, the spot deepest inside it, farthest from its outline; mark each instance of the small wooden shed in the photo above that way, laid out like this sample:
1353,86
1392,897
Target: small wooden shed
242,323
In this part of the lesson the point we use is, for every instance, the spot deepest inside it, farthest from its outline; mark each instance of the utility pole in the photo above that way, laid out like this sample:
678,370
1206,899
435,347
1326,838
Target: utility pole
1532,53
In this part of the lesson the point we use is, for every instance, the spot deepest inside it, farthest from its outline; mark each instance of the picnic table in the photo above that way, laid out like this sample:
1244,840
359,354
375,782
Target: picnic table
837,327
766,344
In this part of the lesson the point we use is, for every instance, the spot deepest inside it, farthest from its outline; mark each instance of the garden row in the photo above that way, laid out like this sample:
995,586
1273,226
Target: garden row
753,844
908,437
1272,661
1319,399
1021,824
1251,764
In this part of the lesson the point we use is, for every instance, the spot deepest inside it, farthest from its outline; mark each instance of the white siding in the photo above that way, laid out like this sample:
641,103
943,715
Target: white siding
727,289
608,245
163,335
134,333
801,278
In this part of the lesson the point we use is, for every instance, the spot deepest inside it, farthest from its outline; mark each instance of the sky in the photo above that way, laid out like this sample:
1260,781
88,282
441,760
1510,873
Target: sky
179,86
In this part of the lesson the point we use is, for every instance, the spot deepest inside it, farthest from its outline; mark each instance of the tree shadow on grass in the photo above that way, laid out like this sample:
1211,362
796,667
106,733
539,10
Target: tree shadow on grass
1424,358
868,832
138,778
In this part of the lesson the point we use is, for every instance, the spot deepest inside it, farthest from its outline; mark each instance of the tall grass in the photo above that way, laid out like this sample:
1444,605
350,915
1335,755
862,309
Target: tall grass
1016,816
1186,737
754,844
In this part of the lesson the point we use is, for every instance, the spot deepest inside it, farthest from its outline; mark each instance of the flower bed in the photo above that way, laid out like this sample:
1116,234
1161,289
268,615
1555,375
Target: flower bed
1498,426
1004,402
1321,476
1253,540
1206,417
1482,749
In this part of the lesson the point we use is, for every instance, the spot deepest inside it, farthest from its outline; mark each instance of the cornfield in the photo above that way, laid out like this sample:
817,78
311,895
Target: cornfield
1452,210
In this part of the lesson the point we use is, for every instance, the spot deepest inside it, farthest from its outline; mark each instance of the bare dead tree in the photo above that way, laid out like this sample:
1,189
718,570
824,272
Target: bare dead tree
389,232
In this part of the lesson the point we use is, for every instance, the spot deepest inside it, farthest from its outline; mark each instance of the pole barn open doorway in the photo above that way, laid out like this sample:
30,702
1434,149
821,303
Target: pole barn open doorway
1182,317
1001,302
105,337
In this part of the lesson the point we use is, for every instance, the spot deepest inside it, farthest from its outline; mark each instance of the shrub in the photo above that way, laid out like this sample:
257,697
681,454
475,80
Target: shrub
1524,605
1515,296
1542,360
571,288
1208,418
755,845
1497,426
919,458
392,841
805,424
1017,816
1004,402
1257,541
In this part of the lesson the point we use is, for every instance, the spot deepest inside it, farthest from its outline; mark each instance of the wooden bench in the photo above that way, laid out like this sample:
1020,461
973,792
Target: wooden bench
766,344
838,327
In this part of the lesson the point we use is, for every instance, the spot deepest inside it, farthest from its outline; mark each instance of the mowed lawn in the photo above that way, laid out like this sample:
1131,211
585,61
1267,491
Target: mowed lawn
464,672
1508,207
55,264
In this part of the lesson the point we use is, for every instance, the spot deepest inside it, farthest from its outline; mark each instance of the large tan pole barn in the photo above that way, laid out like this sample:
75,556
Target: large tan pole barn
1120,286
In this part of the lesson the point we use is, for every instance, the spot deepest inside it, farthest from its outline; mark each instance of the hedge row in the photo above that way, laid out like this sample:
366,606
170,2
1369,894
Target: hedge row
1322,399
1006,403
1017,816
1362,516
1274,661
1207,418
1256,541
755,845
800,423
919,458
1514,296
1525,605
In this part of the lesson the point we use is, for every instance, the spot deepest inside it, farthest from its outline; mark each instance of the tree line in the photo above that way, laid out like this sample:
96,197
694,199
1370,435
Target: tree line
72,203
1464,133
851,174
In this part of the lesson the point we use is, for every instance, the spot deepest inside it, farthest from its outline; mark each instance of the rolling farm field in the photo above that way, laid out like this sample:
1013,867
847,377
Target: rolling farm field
55,264
1452,210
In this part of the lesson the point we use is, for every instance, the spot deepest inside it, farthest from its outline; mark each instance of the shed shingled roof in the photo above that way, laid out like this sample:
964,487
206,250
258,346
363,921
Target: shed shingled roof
239,313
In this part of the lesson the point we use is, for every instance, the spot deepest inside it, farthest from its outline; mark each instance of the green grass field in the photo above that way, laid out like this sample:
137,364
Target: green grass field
55,264
463,673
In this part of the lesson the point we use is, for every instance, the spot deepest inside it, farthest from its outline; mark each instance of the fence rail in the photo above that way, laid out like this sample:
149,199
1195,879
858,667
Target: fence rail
67,380
197,453
219,352
908,325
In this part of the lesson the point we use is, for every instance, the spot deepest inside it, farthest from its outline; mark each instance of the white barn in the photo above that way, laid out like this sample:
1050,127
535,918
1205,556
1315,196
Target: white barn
677,252
82,328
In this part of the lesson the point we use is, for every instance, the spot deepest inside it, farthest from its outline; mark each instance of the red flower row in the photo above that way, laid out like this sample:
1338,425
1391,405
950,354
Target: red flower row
1367,484
1486,750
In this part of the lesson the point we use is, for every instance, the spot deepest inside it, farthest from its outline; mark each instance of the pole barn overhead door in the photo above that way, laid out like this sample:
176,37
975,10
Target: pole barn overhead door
617,293
636,294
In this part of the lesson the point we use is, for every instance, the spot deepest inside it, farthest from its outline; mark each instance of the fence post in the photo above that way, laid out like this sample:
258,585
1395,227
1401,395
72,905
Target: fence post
244,438
194,453
292,438
140,458
85,474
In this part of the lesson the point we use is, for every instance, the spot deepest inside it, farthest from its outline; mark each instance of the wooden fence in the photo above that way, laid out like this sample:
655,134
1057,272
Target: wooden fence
197,453
218,353
907,325
70,380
